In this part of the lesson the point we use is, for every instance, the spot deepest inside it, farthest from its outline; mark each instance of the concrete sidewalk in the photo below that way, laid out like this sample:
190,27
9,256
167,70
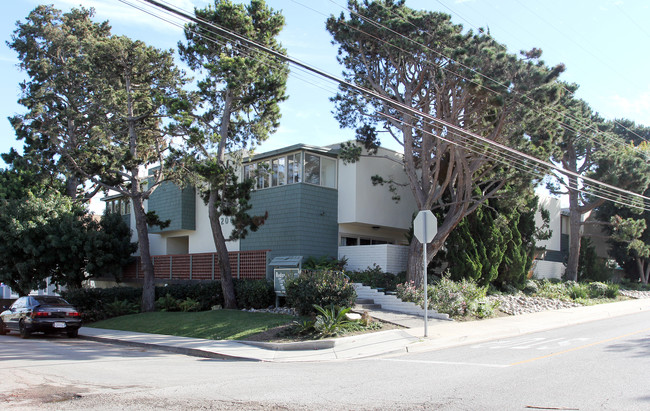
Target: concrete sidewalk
442,334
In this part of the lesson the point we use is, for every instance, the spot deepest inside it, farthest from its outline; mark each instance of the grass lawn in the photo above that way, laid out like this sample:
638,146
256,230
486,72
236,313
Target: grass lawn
213,325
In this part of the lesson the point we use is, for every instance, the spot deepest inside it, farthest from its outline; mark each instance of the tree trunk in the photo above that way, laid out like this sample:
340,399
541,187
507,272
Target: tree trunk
644,269
227,286
71,185
148,289
575,215
414,271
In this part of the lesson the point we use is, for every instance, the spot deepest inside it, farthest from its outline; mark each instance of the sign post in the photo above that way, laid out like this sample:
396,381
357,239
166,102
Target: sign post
425,227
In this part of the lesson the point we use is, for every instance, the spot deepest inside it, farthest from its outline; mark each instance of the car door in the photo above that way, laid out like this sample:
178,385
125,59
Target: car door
15,311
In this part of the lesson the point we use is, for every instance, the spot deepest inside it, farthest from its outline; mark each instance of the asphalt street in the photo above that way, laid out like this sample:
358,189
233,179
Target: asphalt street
596,365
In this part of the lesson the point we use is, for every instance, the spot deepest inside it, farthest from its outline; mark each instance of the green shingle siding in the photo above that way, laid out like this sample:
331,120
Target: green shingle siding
127,219
302,220
170,202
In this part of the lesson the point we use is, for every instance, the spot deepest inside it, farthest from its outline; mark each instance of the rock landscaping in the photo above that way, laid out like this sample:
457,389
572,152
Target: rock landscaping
634,293
509,304
522,304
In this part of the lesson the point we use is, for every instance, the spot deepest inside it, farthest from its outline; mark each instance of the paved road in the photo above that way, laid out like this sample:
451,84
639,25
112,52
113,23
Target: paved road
598,365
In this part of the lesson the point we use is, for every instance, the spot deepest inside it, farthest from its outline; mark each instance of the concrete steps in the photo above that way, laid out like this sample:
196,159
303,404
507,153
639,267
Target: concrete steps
369,299
366,304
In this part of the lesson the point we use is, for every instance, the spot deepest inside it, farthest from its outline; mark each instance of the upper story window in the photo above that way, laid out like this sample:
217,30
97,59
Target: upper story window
293,168
118,205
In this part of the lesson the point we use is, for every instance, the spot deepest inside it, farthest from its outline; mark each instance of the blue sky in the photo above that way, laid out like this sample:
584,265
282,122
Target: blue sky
604,44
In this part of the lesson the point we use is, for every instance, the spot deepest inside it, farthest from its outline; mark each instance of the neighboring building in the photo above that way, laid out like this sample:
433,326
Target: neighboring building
317,206
554,252
7,293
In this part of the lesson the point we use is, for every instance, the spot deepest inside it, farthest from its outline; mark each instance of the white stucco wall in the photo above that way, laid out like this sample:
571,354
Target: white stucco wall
362,202
552,204
201,239
391,258
548,269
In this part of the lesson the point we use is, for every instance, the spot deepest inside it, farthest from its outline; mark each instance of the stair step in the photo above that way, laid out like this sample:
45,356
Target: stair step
369,299
367,306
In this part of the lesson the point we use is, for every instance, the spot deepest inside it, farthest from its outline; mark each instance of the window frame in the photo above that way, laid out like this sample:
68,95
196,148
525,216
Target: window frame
285,172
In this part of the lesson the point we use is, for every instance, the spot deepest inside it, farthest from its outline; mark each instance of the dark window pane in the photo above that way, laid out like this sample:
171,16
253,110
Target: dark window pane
312,169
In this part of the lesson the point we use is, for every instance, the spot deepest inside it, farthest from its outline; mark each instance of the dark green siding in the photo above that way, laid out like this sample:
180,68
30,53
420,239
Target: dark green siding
303,220
170,202
127,219
564,244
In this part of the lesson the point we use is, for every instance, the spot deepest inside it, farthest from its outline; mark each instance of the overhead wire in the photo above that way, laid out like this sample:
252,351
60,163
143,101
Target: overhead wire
408,109
588,126
615,121
522,166
416,112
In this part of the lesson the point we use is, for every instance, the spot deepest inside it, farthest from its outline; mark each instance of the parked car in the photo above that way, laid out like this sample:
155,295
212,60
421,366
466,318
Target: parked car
40,313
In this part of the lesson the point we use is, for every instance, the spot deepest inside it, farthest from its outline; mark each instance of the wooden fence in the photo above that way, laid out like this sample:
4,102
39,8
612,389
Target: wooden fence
204,266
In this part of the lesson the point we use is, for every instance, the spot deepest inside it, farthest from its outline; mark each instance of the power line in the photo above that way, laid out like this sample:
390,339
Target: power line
402,107
589,126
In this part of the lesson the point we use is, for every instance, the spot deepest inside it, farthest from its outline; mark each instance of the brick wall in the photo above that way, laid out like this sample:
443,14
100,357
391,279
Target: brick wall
204,266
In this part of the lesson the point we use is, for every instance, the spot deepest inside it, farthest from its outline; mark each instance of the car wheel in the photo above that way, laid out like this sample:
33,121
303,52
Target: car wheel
3,328
73,333
24,332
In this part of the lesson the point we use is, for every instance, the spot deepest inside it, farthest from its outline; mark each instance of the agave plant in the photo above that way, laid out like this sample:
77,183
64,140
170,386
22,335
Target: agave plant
330,320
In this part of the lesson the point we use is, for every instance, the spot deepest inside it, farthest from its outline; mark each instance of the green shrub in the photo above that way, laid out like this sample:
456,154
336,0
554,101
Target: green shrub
590,266
634,285
530,287
321,288
553,288
409,293
168,303
91,302
254,293
303,327
207,293
189,305
578,291
374,277
597,289
612,291
325,263
446,297
483,308
456,298
121,307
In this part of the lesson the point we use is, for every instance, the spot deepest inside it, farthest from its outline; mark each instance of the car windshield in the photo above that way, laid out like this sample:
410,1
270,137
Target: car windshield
50,300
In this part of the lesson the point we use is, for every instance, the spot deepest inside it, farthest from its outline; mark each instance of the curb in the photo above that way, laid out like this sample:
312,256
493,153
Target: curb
293,346
192,352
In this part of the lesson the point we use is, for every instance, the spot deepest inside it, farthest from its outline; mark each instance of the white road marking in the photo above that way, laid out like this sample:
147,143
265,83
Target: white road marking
471,364
538,343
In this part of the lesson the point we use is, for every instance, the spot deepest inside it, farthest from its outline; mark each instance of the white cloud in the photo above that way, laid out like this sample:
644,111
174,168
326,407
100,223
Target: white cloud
636,108
121,13
12,60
